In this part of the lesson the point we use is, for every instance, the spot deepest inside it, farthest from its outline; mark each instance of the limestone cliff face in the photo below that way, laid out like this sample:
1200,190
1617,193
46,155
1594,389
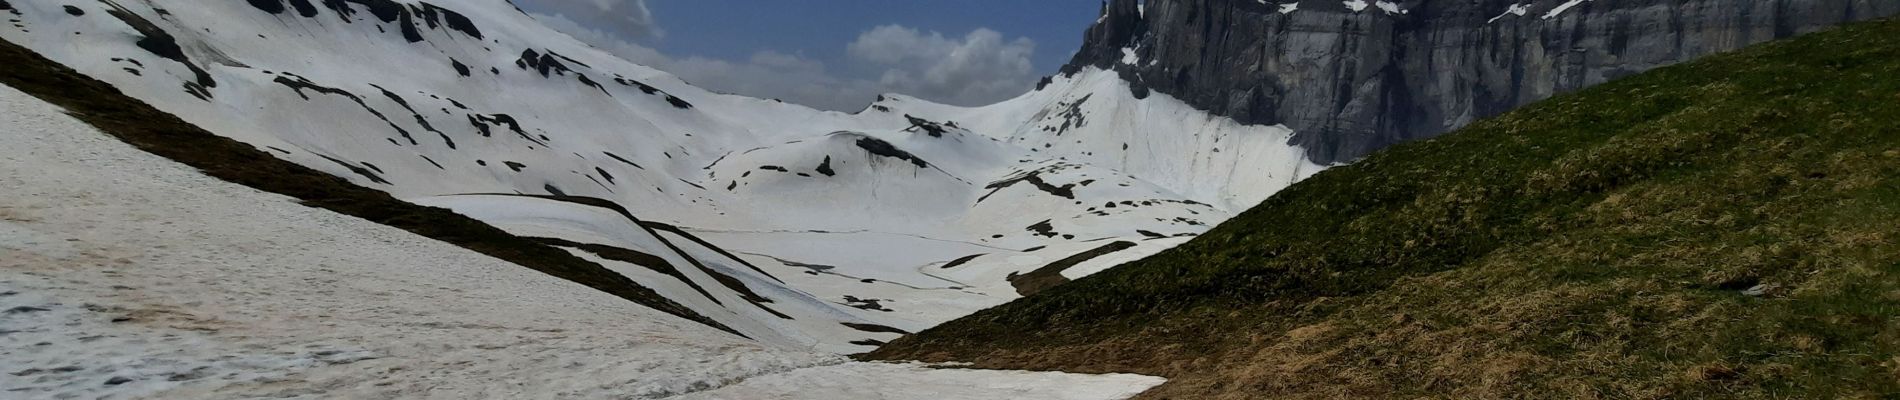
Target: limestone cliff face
1355,76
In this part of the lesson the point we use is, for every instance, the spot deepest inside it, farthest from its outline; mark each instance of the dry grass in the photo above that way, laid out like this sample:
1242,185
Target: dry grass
1719,229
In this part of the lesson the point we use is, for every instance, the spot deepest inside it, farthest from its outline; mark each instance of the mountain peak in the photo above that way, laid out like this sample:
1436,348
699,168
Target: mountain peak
1352,77
1120,24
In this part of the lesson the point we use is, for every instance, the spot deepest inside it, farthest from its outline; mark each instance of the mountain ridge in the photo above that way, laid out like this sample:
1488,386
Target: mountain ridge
1352,77
1713,229
785,224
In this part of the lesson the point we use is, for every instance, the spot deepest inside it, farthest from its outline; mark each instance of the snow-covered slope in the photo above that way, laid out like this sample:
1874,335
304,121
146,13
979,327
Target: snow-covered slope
1093,117
125,275
795,227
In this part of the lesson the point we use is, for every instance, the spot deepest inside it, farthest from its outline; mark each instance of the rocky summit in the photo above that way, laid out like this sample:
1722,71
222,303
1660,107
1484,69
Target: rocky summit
1351,77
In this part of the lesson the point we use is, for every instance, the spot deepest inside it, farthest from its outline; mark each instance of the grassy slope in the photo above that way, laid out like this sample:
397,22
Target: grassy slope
1594,245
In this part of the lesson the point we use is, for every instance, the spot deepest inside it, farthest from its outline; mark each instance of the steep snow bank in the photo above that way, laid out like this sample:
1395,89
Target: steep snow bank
786,224
1092,116
123,274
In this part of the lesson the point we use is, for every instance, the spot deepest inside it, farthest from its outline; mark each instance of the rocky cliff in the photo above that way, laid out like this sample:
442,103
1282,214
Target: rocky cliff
1355,76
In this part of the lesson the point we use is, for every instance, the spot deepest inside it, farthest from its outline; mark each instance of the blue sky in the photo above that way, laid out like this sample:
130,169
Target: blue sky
836,54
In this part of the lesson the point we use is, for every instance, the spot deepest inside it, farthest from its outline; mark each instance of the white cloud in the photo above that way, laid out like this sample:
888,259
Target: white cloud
602,39
787,62
767,74
775,75
980,68
629,18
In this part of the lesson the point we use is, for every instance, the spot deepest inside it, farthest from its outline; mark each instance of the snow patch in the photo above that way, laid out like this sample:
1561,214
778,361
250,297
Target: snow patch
920,381
1566,6
1515,9
160,282
1390,7
779,215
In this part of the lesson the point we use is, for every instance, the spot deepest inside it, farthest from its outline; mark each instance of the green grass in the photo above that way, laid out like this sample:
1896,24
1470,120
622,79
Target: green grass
1593,245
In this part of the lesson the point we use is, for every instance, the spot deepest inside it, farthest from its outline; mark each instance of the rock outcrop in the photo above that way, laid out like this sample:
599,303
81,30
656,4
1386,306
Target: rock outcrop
1355,76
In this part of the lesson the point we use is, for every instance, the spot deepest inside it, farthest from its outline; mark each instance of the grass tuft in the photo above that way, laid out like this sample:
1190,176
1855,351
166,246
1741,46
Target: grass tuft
1725,228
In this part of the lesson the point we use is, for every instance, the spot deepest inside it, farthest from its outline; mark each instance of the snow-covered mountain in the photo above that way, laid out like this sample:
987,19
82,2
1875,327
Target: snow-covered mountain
127,275
792,226
1356,76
